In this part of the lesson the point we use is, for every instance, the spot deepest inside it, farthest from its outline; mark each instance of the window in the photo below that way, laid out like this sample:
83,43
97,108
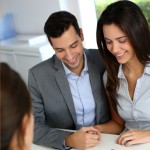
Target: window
144,5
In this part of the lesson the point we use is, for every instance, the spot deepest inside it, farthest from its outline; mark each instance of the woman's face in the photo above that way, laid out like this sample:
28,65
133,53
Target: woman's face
118,44
26,133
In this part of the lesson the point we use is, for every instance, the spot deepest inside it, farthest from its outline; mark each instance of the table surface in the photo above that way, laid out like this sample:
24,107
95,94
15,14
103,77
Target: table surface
107,143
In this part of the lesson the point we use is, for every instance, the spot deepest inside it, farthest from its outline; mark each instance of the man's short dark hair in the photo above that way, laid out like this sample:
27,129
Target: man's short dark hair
59,22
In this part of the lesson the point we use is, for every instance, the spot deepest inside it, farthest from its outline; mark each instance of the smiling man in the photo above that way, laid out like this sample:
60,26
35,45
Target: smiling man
67,90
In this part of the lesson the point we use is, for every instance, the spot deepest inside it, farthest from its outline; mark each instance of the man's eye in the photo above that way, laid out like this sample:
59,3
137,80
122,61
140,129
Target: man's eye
74,45
59,50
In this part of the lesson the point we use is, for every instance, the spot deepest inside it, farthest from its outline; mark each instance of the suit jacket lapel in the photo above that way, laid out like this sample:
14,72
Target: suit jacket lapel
62,82
95,84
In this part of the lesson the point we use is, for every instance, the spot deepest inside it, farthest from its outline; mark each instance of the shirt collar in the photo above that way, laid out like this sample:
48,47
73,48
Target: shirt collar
120,72
147,68
85,69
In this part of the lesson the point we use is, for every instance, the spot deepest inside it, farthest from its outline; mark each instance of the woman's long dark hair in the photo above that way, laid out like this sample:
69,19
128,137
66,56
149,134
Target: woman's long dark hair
15,102
130,19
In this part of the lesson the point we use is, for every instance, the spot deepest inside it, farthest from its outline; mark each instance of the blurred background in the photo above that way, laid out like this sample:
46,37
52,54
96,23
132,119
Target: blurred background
144,5
22,40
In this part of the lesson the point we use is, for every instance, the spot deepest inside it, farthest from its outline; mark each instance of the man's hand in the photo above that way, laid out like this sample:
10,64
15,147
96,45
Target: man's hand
84,138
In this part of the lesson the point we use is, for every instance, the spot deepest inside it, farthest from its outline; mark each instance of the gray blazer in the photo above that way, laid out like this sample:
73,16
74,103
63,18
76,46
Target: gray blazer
52,101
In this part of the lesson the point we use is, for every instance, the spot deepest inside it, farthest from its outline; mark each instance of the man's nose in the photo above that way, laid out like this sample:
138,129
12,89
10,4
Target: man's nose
68,54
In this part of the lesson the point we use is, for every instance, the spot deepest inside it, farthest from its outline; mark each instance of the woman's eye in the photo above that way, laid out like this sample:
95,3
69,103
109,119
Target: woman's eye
108,42
122,40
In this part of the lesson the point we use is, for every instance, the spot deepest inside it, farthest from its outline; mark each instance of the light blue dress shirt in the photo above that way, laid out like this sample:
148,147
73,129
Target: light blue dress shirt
82,96
136,112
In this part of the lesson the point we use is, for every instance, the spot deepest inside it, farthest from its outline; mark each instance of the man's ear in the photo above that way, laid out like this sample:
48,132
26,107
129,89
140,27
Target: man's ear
81,34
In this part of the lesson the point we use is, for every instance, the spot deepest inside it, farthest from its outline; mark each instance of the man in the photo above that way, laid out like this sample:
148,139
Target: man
67,89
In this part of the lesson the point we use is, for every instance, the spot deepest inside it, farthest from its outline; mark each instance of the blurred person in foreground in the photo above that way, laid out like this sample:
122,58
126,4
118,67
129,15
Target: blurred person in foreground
16,115
123,39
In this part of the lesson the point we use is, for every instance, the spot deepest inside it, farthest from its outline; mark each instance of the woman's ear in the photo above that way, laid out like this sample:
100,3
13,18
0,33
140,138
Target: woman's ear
27,129
81,34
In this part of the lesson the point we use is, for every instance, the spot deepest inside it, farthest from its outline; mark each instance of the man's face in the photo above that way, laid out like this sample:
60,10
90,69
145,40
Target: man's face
69,49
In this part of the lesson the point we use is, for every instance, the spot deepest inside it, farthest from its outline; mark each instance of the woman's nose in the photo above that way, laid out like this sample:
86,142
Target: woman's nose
115,47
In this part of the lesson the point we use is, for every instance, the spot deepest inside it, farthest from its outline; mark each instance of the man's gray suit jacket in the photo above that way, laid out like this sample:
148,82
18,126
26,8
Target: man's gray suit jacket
52,102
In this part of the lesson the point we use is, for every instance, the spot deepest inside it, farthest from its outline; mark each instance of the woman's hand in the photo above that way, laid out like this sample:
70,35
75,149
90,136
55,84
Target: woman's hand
134,137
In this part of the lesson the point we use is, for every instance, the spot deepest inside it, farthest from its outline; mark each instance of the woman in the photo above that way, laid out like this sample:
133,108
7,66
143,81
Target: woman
16,116
123,39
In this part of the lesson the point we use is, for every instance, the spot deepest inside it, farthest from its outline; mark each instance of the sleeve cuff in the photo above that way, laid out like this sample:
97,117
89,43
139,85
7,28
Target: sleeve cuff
66,147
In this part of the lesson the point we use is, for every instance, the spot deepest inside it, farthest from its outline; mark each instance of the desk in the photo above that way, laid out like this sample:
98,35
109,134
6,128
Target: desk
107,143
39,147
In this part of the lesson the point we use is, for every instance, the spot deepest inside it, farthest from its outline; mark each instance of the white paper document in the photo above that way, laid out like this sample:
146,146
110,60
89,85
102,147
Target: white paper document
108,143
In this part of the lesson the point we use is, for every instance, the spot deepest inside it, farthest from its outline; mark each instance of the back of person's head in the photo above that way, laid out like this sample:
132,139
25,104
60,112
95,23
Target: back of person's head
58,23
16,116
130,19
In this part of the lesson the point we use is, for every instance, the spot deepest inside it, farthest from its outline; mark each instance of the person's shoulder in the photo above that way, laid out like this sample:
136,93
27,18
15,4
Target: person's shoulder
93,54
93,57
91,51
44,64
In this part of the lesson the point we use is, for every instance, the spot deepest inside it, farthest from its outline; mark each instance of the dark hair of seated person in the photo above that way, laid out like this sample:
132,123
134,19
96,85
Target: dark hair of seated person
15,109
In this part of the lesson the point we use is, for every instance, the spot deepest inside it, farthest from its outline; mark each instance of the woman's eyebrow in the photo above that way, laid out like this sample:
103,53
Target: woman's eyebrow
116,38
121,37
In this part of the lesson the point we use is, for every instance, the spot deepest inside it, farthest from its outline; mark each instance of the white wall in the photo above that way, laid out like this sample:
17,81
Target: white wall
71,6
85,12
30,15
88,21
